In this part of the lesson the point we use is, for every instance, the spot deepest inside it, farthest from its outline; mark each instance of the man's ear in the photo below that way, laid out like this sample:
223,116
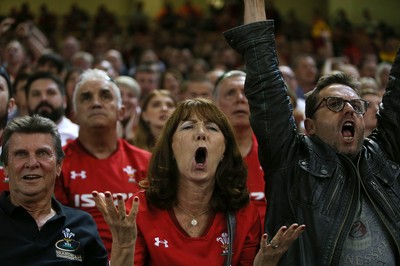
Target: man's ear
11,104
309,126
59,168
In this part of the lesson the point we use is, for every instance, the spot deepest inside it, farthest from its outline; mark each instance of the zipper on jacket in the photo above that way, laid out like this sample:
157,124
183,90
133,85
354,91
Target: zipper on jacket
382,196
332,260
334,193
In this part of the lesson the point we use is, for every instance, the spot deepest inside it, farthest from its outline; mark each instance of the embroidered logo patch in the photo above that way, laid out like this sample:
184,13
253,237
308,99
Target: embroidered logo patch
66,247
131,173
224,240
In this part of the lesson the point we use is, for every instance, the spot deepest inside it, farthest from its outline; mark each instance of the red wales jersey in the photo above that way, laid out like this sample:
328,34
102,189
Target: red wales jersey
255,179
82,173
162,241
3,179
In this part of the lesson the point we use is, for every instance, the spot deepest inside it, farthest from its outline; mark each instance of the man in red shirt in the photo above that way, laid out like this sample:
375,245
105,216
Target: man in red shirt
229,96
98,159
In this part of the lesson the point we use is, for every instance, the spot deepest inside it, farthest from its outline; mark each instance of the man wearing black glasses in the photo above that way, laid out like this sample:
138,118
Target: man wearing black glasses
343,187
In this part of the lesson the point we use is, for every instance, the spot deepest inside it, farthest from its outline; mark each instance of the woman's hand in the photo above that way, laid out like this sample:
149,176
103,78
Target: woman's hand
122,226
271,252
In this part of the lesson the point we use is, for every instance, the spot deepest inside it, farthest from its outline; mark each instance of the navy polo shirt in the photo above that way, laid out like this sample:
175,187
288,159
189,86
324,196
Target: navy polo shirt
69,238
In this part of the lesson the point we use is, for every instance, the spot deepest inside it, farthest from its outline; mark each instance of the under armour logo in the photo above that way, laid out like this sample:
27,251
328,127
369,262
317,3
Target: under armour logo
158,242
74,174
131,173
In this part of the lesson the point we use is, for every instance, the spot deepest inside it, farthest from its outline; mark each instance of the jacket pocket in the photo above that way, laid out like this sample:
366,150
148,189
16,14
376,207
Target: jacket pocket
313,182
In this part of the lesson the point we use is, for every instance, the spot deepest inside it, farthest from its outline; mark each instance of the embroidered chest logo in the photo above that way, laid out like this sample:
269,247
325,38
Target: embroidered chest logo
66,248
81,174
159,242
131,173
224,240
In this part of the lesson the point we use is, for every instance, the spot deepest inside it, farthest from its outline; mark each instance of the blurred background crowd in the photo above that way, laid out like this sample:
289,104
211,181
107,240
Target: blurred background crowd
180,44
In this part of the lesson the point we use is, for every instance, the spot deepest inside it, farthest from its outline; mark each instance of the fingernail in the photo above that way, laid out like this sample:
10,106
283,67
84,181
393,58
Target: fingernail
119,196
303,227
284,229
265,236
94,194
108,194
136,199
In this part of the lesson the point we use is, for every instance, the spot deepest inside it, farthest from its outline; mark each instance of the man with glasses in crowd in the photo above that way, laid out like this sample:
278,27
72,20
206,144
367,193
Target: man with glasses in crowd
345,188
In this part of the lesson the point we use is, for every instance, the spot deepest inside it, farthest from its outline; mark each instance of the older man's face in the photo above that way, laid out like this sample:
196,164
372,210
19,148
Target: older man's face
31,166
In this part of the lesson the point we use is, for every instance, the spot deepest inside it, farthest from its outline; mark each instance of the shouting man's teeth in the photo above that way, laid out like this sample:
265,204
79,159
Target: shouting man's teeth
348,131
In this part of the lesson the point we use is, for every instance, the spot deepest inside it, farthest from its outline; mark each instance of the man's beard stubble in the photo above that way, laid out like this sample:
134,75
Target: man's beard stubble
55,115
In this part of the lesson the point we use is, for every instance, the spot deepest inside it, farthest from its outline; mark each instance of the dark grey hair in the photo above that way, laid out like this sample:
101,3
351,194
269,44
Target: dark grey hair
30,125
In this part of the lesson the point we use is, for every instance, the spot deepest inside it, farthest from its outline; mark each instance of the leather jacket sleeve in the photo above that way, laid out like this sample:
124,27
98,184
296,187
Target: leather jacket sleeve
271,113
389,115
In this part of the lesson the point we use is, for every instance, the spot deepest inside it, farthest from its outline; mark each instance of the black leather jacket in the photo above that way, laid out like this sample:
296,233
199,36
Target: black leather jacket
308,182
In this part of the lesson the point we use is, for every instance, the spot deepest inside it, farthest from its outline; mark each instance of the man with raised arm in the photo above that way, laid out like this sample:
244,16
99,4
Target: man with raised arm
345,188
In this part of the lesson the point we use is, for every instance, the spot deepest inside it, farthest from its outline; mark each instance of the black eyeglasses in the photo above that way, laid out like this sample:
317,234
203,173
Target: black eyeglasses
336,104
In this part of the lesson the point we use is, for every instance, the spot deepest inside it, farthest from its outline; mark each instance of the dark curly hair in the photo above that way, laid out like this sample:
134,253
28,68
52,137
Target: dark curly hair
230,191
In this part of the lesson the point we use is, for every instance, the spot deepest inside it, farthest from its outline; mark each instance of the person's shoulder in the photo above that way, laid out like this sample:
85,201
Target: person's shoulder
249,209
73,213
66,122
248,213
248,216
72,145
125,145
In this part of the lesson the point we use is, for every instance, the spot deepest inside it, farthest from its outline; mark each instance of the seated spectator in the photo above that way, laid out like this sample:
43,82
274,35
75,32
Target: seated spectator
130,94
148,77
195,88
82,60
35,228
155,110
171,80
229,96
21,108
51,62
45,95
196,205
369,92
70,81
99,159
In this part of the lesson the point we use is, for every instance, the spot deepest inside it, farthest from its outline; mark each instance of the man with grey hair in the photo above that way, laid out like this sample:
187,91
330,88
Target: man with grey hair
228,95
98,159
36,229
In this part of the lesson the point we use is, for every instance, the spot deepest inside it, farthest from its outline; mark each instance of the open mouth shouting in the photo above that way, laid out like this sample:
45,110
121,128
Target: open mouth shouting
200,157
348,131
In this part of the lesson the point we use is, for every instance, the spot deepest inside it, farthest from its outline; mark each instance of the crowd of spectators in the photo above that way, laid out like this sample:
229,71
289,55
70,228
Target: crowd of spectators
189,27
139,71
184,44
